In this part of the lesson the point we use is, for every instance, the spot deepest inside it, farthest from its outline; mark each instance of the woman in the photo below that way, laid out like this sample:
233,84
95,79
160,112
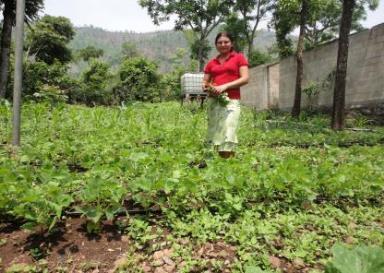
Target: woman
223,76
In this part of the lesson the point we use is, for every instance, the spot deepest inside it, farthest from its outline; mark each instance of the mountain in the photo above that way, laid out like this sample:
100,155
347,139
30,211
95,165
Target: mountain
159,46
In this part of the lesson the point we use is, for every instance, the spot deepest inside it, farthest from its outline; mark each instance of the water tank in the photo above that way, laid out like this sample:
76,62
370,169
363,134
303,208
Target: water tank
191,83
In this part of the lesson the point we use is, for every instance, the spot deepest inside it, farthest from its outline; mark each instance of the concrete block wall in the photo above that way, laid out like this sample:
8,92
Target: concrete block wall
255,93
273,85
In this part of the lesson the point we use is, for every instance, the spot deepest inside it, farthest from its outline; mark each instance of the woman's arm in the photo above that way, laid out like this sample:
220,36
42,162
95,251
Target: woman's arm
206,82
243,80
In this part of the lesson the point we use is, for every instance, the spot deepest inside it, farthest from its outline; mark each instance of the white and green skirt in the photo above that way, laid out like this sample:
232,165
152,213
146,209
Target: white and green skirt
223,122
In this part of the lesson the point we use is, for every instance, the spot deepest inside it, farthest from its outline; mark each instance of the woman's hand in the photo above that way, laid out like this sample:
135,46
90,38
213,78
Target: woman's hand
205,87
220,89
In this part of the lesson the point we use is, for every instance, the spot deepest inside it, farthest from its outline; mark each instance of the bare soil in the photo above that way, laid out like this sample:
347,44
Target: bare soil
68,247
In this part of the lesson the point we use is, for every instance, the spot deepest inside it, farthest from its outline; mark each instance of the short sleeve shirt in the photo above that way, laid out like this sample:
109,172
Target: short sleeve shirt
227,71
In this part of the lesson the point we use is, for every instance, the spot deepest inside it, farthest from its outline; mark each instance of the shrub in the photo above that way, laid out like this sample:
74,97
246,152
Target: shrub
138,81
258,58
44,81
171,85
93,88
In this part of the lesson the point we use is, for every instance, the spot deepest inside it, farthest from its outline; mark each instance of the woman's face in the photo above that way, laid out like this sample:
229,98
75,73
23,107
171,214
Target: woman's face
224,45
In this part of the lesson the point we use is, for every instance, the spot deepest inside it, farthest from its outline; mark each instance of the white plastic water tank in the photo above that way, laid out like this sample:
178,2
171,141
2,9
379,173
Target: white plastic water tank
191,83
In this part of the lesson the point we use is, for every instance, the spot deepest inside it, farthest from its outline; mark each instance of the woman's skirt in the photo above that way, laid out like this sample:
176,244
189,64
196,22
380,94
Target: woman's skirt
222,124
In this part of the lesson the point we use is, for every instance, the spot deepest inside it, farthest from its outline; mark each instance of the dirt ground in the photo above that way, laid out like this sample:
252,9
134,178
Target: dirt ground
67,247
70,249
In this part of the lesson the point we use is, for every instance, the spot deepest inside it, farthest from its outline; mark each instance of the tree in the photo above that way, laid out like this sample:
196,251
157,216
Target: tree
43,81
248,14
338,115
299,59
90,52
138,81
192,41
284,21
170,82
48,41
258,57
129,50
201,16
178,59
316,19
96,75
288,14
199,51
32,7
94,84
324,23
237,27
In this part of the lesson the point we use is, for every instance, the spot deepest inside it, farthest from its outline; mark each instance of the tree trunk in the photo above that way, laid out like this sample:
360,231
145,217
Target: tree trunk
200,56
299,59
6,37
338,115
250,41
253,33
250,49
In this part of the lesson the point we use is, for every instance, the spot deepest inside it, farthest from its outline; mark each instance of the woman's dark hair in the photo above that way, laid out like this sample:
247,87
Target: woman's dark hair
224,34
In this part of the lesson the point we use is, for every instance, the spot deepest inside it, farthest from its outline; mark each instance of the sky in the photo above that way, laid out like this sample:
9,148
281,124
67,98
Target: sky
127,15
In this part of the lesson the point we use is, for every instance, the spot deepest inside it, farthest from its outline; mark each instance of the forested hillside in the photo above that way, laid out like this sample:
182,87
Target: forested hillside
159,46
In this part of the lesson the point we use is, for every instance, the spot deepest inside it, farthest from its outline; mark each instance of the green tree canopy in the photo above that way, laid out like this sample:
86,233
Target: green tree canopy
198,15
322,24
237,27
49,39
90,52
129,50
96,76
8,7
324,21
32,7
245,20
138,80
258,57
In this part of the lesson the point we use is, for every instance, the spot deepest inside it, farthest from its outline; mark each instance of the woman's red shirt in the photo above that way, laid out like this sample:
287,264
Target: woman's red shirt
227,71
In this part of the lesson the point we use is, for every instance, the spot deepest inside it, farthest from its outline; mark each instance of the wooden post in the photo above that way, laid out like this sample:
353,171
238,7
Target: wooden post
18,80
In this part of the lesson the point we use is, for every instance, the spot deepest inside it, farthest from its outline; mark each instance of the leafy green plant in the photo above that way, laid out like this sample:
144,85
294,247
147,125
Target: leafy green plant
360,259
37,253
221,99
40,205
293,188
312,91
49,93
141,232
101,198
254,269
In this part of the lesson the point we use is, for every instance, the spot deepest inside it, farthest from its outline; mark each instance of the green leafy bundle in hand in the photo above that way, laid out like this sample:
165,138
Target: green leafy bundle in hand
221,98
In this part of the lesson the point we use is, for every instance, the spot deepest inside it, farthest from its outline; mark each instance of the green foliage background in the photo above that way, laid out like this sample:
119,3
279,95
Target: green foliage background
159,46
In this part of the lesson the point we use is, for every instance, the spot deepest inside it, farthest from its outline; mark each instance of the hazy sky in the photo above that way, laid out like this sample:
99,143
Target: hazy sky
121,15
